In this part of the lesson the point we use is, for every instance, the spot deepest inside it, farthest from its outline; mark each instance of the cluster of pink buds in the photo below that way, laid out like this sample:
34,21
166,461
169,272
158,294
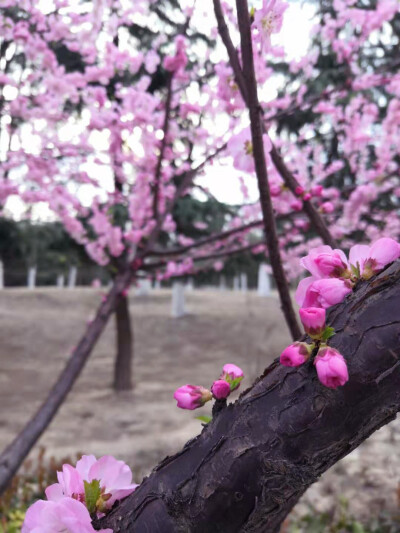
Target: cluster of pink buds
333,277
88,490
194,396
330,364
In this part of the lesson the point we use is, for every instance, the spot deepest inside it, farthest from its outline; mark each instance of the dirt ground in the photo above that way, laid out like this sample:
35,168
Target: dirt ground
38,329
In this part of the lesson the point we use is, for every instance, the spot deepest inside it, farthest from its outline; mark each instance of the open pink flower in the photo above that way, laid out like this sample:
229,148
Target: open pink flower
240,147
369,260
115,480
295,355
331,368
269,18
67,515
313,320
192,396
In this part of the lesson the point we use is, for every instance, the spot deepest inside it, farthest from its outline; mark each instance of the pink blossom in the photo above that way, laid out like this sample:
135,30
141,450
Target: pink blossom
233,375
240,148
323,261
66,514
369,260
221,389
295,355
313,320
179,60
115,479
331,368
269,18
192,396
313,292
327,207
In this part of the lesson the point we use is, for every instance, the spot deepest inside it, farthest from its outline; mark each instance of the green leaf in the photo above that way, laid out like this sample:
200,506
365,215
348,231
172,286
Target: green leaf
234,383
328,333
204,418
92,494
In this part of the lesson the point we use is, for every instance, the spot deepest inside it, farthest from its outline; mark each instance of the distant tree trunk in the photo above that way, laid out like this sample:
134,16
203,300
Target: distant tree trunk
250,465
124,356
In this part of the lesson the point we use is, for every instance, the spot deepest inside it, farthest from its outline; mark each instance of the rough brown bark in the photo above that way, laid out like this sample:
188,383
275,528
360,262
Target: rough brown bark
124,356
250,465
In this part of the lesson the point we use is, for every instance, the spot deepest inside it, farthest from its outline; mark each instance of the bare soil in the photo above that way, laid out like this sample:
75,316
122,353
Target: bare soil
39,328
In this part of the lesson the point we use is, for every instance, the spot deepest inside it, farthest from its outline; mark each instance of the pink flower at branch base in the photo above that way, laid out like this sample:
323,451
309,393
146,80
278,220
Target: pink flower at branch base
313,320
114,477
331,368
296,354
368,260
192,396
221,389
67,515
233,375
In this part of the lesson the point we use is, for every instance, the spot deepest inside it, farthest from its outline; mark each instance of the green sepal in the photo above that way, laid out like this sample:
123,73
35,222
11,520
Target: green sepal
92,494
328,333
204,418
234,383
355,270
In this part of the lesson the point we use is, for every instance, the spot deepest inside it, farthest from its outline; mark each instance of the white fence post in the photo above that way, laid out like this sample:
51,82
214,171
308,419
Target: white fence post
243,282
1,275
178,299
236,283
60,281
144,287
264,284
31,277
73,271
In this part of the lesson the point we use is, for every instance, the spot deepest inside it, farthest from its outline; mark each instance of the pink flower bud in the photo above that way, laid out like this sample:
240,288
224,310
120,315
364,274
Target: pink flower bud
317,190
299,190
313,320
296,354
331,368
307,197
191,396
330,264
313,292
233,375
221,389
327,207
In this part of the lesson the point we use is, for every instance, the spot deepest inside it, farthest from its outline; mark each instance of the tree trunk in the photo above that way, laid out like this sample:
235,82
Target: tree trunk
124,357
251,464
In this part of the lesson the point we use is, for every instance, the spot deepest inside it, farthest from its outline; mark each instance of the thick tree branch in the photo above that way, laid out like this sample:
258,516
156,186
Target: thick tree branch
256,127
207,240
251,464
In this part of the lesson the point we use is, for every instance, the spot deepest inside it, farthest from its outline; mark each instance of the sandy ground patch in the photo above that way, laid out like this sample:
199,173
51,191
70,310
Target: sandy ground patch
38,329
